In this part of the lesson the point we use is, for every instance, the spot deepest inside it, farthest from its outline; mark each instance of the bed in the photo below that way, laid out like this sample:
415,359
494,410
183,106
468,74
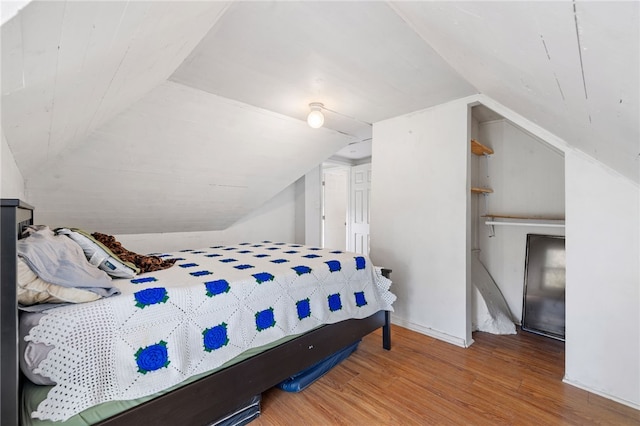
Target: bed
224,390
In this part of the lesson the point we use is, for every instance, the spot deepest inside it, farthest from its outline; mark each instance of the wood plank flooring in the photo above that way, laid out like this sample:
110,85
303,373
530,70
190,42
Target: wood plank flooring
499,380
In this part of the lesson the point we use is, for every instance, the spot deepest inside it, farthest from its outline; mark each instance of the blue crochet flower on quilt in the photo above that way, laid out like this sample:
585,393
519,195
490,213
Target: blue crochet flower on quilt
216,247
272,248
360,299
261,255
217,287
265,319
257,245
215,337
150,296
360,262
291,252
244,266
301,270
152,357
311,256
200,273
336,252
279,261
245,251
213,255
262,277
334,265
335,304
185,250
228,260
244,244
197,252
304,308
315,248
229,248
188,265
143,280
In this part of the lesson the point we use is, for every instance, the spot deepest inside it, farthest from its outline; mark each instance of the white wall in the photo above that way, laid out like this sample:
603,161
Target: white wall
527,178
273,221
300,211
418,226
419,217
313,207
12,182
603,280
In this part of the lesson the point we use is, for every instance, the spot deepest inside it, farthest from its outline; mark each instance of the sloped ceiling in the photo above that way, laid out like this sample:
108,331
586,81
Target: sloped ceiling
131,117
69,67
358,58
570,66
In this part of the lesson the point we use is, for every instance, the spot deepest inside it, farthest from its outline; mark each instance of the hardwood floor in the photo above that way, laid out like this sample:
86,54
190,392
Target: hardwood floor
499,380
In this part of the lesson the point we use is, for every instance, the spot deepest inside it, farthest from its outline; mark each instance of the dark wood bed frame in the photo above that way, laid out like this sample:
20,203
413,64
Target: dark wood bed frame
199,403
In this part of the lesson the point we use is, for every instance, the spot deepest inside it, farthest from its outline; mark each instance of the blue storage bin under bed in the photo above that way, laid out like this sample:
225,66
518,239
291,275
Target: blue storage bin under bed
304,378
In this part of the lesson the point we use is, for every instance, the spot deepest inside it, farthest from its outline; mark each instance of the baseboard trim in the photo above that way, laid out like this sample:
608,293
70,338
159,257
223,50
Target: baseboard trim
431,332
599,393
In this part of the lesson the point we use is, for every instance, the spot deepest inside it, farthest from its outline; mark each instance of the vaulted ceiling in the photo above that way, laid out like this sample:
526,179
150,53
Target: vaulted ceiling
145,116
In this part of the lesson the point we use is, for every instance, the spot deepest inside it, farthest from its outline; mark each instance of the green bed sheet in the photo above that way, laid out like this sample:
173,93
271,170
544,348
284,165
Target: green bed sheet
32,395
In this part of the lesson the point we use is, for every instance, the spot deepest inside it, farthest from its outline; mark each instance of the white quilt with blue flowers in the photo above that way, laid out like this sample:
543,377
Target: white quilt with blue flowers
212,305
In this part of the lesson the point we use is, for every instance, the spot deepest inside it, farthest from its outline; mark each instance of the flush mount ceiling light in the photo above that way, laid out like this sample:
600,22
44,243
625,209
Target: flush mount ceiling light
315,119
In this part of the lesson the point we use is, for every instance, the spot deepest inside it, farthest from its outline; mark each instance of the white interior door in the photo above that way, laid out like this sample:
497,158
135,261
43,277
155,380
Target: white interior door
359,208
335,195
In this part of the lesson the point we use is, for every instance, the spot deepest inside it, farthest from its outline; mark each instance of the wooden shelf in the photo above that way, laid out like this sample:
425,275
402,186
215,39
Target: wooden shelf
476,190
520,217
478,149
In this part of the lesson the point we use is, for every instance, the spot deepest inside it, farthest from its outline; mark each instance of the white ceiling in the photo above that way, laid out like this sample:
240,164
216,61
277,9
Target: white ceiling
129,117
570,66
358,58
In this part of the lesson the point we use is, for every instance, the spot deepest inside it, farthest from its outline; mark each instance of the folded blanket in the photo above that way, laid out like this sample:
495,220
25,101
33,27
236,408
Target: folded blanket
59,260
145,263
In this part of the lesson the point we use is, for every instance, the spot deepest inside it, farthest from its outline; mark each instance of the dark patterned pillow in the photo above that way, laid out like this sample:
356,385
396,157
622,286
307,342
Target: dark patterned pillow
145,263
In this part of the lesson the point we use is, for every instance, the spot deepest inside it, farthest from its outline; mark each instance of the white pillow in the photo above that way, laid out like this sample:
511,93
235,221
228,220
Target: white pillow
100,256
33,290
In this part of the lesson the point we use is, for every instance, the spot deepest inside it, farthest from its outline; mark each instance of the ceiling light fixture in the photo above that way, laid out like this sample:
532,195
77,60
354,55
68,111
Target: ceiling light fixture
315,119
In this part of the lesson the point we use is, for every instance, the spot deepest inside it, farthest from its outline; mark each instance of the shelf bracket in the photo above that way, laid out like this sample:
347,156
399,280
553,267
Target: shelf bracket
492,229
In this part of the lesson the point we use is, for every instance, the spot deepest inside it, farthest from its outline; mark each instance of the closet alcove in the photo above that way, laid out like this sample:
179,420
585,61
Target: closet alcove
517,189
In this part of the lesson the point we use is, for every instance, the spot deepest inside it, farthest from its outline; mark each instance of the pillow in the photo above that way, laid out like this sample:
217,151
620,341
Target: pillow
33,290
145,263
99,255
